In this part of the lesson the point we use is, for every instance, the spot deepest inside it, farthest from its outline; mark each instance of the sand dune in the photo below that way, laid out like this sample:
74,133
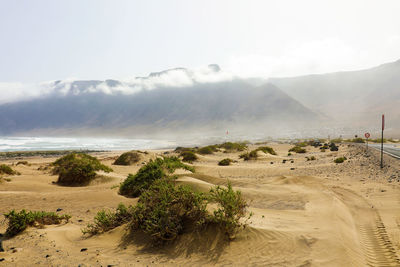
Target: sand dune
317,214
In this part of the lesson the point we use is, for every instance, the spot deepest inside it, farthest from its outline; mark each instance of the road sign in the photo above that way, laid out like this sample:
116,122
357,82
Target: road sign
367,135
383,122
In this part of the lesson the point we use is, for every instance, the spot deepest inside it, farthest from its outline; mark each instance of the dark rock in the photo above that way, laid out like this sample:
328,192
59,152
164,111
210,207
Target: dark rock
291,169
1,246
47,255
271,162
83,249
80,220
2,259
59,209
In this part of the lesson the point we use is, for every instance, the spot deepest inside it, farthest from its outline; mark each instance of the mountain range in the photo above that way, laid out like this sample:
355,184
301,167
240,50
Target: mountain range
186,103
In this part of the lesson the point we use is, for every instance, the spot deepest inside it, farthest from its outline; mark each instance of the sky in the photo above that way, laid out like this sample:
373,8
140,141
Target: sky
46,40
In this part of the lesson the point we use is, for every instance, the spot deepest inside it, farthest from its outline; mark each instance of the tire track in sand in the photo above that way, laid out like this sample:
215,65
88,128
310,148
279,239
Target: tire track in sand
374,240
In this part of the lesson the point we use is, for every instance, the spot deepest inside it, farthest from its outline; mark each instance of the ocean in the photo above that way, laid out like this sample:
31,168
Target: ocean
80,143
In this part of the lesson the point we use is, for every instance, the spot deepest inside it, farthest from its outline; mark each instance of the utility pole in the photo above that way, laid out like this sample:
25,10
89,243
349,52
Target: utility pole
383,128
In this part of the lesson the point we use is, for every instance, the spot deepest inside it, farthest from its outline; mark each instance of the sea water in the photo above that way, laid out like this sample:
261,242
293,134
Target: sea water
79,143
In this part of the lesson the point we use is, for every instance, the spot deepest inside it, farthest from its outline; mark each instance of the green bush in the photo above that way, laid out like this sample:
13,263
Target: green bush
230,146
225,162
249,156
302,144
19,221
77,169
180,149
267,149
107,220
340,160
127,158
231,208
163,211
188,156
134,185
297,149
207,150
5,169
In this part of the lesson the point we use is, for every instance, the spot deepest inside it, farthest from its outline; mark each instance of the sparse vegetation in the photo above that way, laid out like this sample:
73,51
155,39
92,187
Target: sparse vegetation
51,153
77,169
267,149
207,150
164,211
134,185
230,146
340,160
297,149
249,155
225,162
231,208
127,158
379,140
357,140
106,220
5,169
337,140
188,156
19,221
310,158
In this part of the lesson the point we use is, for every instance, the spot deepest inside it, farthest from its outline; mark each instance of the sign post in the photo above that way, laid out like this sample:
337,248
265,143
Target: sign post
383,128
367,135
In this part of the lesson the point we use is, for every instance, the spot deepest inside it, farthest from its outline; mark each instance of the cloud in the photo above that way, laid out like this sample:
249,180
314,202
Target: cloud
178,78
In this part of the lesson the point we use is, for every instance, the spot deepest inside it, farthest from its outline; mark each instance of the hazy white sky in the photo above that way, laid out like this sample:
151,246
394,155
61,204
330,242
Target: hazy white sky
98,39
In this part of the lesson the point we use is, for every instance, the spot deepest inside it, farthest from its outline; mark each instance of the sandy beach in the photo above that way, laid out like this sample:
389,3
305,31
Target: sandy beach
306,213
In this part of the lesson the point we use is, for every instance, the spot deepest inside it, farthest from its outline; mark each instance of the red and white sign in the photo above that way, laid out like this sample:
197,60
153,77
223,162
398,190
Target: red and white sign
367,135
383,122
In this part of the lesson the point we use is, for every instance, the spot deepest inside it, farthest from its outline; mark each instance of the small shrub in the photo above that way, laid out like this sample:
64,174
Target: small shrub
249,155
297,149
225,162
340,160
181,149
5,169
337,140
310,158
23,162
77,169
188,156
107,220
229,146
267,149
164,211
289,154
333,147
207,150
134,185
19,221
302,144
231,209
127,158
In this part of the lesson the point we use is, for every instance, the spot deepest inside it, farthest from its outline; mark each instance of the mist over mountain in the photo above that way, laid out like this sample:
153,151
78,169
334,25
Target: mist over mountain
356,98
112,107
